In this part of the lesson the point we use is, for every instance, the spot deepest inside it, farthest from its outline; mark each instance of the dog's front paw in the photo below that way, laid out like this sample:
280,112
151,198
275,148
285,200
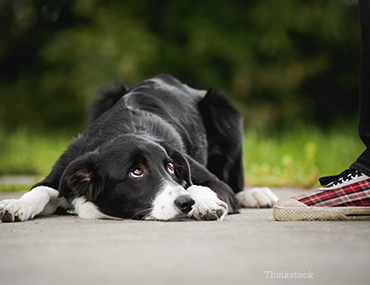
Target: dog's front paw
207,205
12,210
257,198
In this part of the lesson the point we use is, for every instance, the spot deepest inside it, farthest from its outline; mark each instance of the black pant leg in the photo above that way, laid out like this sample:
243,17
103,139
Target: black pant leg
363,162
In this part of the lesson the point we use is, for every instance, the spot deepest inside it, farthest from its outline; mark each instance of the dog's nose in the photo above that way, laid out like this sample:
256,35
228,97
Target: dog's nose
184,203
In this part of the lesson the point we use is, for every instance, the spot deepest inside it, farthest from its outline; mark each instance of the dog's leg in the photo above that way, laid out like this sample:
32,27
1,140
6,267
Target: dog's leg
224,129
207,205
41,200
260,197
214,199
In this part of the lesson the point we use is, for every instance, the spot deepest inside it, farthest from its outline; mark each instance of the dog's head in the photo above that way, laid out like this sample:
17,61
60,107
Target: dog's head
131,177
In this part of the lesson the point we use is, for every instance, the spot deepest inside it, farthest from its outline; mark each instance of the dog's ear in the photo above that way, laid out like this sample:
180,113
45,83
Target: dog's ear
181,164
80,178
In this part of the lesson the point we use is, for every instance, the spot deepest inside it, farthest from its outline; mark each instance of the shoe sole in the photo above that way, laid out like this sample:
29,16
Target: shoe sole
321,213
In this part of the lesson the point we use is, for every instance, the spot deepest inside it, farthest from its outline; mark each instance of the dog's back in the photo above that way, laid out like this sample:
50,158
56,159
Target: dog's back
182,107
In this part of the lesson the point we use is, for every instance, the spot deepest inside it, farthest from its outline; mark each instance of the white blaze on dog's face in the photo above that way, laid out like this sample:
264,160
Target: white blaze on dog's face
171,203
142,182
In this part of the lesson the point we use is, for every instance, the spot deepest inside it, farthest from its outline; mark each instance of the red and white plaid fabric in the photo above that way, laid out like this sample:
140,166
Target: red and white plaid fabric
356,194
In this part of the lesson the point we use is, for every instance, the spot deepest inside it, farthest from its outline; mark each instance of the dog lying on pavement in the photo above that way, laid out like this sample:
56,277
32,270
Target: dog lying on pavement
158,151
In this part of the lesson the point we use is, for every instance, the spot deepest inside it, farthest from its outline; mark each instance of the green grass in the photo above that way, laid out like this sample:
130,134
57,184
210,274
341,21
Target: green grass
298,157
26,153
15,188
291,158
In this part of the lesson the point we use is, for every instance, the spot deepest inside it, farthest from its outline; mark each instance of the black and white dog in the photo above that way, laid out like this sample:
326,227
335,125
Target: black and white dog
158,151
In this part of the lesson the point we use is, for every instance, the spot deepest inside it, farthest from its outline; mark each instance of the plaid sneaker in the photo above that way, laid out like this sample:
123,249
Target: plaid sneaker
343,197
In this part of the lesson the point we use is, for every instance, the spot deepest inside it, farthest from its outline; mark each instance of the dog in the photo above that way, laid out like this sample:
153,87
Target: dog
158,151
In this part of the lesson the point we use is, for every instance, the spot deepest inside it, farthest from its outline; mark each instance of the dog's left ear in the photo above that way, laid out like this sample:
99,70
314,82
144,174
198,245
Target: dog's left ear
81,179
181,164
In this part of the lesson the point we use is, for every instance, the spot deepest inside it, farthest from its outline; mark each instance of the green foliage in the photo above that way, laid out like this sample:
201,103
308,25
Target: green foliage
278,60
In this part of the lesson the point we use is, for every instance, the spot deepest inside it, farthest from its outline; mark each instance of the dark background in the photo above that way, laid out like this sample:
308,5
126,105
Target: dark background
281,62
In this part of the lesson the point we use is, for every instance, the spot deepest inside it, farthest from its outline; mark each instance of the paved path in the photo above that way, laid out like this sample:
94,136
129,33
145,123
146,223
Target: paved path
243,249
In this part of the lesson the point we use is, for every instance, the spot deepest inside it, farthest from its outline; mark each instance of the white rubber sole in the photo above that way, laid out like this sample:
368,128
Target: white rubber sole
312,213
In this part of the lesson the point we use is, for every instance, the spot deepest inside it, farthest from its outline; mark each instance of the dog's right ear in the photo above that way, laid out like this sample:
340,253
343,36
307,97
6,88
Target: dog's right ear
81,179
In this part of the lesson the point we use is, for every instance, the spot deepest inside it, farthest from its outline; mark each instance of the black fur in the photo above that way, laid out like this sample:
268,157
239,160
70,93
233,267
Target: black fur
159,121
109,96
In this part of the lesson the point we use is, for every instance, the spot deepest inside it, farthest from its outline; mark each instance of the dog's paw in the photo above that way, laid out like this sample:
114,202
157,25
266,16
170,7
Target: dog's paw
257,198
13,210
207,205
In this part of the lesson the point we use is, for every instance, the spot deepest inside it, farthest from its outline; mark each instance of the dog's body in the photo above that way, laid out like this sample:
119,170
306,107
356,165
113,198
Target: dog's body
159,151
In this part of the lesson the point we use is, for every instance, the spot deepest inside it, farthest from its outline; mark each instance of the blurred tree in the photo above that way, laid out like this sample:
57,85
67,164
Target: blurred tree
280,61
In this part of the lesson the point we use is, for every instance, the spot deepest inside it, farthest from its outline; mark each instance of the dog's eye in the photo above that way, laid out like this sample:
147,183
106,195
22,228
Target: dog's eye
170,168
137,173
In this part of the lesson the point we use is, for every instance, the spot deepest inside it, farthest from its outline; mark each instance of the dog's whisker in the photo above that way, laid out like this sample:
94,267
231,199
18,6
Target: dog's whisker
136,214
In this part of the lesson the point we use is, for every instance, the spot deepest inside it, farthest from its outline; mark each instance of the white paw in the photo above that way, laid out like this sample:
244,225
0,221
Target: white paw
257,198
207,205
12,210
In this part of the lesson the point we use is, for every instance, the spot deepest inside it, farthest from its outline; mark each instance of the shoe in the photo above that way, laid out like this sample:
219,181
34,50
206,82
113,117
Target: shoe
343,197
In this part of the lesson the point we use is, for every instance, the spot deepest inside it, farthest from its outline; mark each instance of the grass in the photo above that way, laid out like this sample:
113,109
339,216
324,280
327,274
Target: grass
290,158
23,152
4,188
298,157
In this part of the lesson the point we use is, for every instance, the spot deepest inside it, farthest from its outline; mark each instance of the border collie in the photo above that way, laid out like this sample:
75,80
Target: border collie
159,151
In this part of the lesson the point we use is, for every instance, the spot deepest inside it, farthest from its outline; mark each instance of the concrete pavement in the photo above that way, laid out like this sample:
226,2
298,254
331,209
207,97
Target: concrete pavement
249,248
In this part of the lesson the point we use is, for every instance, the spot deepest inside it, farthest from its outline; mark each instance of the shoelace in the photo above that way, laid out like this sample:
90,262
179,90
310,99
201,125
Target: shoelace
335,180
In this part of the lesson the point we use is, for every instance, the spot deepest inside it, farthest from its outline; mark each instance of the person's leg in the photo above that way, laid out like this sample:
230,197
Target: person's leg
363,162
345,196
